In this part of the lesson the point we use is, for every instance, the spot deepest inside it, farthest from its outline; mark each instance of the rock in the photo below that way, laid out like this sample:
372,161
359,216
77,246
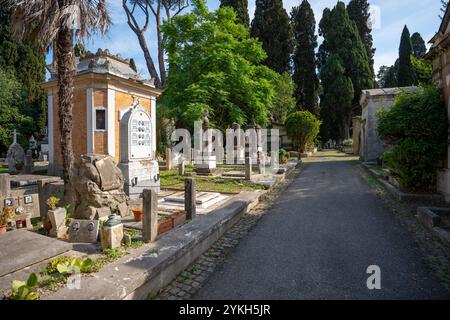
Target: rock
99,185
58,220
102,213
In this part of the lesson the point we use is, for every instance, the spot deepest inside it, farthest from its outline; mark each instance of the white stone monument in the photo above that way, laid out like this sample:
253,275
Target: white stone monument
137,161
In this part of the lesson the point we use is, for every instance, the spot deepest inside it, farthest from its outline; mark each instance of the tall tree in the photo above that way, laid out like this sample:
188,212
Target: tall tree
54,22
271,25
343,42
305,64
418,45
241,8
28,67
406,74
336,101
387,77
358,10
138,14
215,65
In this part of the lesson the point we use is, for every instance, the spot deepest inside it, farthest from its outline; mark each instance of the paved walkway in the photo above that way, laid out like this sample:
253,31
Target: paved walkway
317,242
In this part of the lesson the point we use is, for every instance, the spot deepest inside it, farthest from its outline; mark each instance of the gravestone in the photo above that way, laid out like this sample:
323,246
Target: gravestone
248,168
150,216
182,168
139,167
58,220
15,154
83,231
112,233
190,202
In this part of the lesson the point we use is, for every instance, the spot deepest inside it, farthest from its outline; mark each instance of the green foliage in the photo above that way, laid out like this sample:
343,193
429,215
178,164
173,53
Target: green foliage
417,128
387,76
303,127
241,9
271,26
133,65
406,76
283,156
24,290
423,70
214,65
26,67
284,101
418,45
347,143
113,254
358,11
75,265
12,100
305,64
336,101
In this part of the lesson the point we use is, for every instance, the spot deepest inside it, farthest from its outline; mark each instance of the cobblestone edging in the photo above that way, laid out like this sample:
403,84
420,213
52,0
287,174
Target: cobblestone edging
188,282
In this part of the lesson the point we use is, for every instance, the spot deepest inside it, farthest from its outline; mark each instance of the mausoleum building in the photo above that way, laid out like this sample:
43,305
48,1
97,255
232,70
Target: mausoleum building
105,89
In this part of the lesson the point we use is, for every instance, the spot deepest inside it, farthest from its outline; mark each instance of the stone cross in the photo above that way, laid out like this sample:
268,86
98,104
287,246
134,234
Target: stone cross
14,136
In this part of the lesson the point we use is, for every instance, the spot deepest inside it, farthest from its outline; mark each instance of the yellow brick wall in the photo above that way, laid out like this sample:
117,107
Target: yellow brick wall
79,133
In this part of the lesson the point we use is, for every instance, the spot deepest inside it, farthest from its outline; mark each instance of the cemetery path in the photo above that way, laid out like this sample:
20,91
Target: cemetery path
317,242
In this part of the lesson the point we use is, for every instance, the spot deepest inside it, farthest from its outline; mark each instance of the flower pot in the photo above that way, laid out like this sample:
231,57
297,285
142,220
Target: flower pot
2,229
165,226
137,215
47,226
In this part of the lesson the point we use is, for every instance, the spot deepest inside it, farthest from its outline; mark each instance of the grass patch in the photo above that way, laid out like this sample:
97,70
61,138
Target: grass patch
171,180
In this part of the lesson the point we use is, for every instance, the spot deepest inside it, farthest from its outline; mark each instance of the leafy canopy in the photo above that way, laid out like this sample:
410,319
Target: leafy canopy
215,65
417,128
303,127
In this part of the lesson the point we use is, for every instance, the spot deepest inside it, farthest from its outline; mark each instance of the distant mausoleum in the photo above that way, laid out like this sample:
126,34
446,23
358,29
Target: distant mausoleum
371,148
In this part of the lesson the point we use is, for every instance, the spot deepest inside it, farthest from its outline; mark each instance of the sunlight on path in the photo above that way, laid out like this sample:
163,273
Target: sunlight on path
330,155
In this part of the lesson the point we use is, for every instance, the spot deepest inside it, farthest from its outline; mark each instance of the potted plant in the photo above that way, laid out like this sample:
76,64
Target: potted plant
137,214
6,215
52,203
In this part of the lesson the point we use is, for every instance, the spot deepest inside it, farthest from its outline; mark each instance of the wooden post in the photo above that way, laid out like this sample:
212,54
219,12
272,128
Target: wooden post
248,168
168,159
190,198
150,216
5,185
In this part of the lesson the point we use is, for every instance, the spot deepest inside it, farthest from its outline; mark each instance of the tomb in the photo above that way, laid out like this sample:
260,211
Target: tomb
139,167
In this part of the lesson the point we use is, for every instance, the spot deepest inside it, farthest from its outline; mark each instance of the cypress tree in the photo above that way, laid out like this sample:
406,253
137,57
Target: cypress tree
406,74
241,9
305,64
343,42
133,65
271,25
358,11
418,45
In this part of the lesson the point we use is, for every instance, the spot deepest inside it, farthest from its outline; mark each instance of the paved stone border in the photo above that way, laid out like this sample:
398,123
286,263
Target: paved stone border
432,221
189,281
403,196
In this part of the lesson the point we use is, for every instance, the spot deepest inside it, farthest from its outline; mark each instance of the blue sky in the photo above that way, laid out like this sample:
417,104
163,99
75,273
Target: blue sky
391,15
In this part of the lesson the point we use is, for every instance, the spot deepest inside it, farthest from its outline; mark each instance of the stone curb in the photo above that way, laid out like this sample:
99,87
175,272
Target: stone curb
433,222
155,265
403,196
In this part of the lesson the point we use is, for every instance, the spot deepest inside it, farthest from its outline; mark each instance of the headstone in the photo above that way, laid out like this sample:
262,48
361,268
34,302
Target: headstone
83,231
58,220
208,163
150,216
5,185
190,202
262,164
138,164
182,168
168,159
112,233
28,162
274,161
15,154
248,168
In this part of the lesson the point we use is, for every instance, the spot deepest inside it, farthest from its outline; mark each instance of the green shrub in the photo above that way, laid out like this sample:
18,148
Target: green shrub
303,128
416,127
283,155
347,143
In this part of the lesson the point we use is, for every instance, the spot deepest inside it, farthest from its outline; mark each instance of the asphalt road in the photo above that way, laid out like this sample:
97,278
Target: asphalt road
317,243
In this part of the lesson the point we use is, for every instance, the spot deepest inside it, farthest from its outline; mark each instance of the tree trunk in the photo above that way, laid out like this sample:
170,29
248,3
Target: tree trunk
148,59
66,72
162,67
